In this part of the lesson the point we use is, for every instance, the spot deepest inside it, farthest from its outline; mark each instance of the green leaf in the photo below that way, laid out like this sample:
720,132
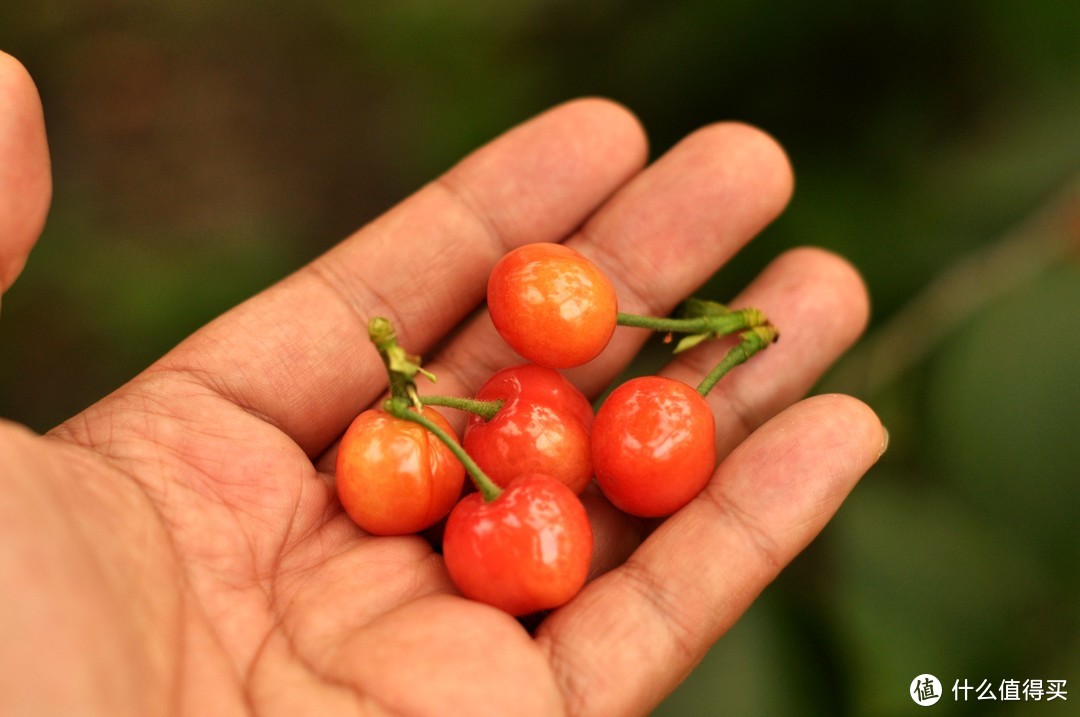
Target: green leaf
689,342
695,308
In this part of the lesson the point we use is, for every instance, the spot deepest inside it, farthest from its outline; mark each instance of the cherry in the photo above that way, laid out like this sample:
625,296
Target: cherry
393,476
653,446
542,426
552,305
526,550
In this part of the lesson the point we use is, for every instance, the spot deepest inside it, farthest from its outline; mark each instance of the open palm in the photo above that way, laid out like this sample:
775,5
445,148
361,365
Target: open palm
178,547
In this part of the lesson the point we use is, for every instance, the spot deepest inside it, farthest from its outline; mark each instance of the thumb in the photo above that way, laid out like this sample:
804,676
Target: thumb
25,176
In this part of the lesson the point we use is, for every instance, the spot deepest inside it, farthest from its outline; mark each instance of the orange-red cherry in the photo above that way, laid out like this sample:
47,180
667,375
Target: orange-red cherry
527,550
393,476
653,446
542,426
552,305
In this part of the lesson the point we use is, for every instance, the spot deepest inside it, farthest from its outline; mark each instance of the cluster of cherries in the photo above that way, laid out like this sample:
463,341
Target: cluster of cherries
522,541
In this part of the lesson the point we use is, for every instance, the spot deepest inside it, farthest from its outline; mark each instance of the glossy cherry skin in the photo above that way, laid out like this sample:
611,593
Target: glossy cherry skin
542,427
393,476
552,305
653,446
527,550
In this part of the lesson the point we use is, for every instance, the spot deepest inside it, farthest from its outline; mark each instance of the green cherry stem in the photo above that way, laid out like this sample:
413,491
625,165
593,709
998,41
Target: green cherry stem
405,403
702,327
720,325
401,366
750,342
484,409
400,407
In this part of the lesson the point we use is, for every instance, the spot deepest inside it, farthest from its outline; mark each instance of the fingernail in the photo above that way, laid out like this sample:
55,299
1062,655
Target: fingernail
884,441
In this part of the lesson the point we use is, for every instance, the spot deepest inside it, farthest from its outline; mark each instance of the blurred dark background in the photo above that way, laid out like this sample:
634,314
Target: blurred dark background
204,149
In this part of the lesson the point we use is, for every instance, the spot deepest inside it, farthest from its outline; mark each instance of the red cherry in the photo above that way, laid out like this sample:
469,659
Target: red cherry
542,427
552,305
525,551
653,446
393,476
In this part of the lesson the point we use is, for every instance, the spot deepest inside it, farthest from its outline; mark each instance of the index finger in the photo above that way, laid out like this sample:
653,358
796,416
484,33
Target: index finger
297,354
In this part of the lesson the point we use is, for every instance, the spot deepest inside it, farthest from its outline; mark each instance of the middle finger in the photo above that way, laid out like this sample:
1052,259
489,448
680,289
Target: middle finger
658,239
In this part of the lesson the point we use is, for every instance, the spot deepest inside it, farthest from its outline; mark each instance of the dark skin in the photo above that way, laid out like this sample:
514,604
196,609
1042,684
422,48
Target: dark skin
178,547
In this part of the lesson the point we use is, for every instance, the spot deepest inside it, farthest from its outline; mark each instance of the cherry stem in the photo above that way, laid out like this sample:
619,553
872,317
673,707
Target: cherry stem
401,366
382,334
484,409
752,341
405,404
716,325
401,407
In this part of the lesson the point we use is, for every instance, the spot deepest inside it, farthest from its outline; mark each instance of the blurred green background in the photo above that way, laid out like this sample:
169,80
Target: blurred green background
204,149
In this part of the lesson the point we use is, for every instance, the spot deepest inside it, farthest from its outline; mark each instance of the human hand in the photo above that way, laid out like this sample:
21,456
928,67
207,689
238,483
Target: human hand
179,545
